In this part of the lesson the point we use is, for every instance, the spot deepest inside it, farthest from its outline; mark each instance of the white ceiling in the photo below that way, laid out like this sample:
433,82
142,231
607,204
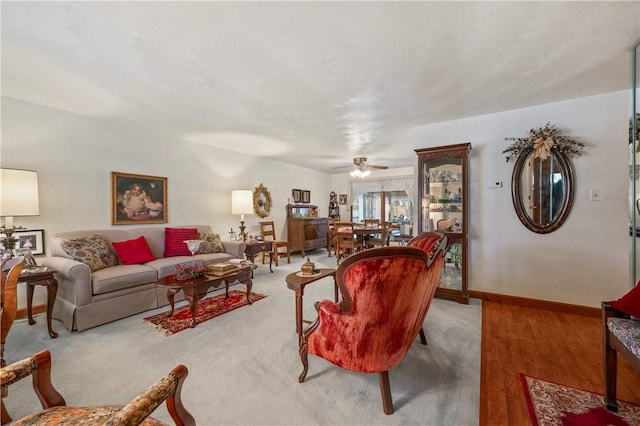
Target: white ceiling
311,83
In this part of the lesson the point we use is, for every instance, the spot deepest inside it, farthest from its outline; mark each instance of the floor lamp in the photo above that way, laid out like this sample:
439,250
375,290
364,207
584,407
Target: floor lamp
18,197
242,203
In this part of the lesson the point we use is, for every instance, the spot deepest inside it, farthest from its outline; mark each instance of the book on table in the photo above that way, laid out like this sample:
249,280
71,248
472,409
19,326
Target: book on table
222,268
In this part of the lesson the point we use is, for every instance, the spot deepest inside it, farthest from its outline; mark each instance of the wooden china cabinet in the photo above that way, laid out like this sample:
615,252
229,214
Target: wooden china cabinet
443,191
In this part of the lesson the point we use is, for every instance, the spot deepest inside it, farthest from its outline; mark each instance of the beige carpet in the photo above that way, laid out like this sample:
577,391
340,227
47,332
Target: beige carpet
243,366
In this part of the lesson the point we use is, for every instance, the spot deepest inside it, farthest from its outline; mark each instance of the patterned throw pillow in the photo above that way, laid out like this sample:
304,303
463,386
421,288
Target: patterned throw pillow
212,243
91,250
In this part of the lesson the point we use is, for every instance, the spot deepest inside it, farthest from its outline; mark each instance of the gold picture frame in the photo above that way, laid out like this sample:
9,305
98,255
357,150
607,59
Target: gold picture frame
138,199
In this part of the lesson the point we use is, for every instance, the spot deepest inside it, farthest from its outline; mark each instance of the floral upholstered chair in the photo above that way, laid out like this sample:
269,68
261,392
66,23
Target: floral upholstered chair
56,412
386,293
621,333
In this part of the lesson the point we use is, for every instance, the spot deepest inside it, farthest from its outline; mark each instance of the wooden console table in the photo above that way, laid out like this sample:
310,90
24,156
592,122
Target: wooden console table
44,278
254,248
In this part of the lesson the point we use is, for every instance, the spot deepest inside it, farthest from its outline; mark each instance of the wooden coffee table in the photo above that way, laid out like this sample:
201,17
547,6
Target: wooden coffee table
196,289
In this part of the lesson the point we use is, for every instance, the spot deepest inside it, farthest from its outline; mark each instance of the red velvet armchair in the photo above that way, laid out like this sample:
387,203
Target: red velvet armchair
386,293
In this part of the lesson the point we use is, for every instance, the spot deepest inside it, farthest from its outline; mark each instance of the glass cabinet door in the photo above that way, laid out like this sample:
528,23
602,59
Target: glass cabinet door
443,177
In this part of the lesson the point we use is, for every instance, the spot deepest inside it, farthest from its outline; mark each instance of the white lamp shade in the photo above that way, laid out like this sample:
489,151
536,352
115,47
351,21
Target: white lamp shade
241,201
19,193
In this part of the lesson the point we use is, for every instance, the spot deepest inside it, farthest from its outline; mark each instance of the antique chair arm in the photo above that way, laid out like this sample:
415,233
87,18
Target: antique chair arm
167,388
38,366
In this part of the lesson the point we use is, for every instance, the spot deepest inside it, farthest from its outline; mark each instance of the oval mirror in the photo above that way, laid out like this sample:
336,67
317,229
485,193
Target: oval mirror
542,190
261,201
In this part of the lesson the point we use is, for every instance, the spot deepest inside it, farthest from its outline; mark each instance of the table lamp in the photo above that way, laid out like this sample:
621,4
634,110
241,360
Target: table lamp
242,203
18,197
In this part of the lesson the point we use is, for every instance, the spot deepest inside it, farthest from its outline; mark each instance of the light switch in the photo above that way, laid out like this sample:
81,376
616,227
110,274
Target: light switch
594,195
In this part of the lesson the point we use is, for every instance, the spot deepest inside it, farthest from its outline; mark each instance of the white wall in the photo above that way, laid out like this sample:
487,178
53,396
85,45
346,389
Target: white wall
74,156
582,263
587,259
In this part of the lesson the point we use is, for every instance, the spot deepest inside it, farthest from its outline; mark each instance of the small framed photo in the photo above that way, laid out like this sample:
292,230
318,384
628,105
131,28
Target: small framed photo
137,199
306,196
343,199
32,240
297,195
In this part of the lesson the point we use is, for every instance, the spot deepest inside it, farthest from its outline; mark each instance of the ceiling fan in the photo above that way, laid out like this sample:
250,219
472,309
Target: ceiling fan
363,167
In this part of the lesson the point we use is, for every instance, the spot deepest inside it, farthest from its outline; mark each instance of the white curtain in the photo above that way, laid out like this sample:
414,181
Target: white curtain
390,183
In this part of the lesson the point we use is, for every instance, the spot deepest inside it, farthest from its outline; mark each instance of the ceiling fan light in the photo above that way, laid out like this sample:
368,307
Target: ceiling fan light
360,173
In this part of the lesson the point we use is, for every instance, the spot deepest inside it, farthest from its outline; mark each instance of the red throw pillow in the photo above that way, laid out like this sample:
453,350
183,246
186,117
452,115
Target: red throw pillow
629,303
133,252
174,241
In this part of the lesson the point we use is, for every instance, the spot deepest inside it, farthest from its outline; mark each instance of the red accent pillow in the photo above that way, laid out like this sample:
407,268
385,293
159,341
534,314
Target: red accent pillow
133,252
174,241
629,303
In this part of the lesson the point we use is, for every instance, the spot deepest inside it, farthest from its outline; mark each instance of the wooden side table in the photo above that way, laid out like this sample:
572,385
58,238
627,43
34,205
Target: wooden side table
44,278
254,248
297,284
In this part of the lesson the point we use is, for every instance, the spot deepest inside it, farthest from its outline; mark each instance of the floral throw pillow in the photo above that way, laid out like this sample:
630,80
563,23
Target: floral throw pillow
91,250
211,243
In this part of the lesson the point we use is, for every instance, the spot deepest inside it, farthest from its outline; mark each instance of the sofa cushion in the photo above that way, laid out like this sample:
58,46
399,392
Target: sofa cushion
91,250
629,303
174,239
211,243
133,252
121,277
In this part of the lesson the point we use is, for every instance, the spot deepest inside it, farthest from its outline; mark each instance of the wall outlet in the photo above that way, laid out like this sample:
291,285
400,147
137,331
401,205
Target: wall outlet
594,195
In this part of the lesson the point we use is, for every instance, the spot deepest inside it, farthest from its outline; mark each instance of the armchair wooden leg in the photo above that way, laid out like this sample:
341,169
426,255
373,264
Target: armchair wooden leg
423,337
610,377
385,390
305,362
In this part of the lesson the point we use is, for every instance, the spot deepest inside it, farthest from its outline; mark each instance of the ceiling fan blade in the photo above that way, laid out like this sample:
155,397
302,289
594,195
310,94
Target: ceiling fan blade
342,167
371,166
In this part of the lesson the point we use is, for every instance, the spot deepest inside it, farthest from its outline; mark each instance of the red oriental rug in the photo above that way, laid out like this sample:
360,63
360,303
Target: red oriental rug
209,307
554,404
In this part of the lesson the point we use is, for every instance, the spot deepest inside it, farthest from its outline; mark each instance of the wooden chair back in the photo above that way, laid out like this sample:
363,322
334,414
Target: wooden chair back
9,275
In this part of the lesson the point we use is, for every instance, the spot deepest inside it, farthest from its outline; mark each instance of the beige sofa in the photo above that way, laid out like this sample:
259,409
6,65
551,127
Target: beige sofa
87,299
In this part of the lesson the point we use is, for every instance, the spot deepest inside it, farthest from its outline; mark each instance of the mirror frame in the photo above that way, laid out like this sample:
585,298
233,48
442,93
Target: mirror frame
262,211
516,194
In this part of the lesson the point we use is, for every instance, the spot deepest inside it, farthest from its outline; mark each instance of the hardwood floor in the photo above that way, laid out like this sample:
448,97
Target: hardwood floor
558,347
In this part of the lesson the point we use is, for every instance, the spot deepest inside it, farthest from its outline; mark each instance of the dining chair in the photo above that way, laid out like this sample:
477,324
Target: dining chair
268,233
9,276
332,239
383,240
347,242
371,222
386,293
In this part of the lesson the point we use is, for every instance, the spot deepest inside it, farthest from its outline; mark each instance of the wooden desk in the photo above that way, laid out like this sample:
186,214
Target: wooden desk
44,278
254,248
297,284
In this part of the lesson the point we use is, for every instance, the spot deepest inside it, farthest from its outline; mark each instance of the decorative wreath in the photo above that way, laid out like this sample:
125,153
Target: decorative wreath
541,140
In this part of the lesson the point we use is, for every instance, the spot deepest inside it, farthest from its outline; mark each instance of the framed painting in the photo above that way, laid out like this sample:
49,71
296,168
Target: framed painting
343,199
138,199
32,240
297,195
306,197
